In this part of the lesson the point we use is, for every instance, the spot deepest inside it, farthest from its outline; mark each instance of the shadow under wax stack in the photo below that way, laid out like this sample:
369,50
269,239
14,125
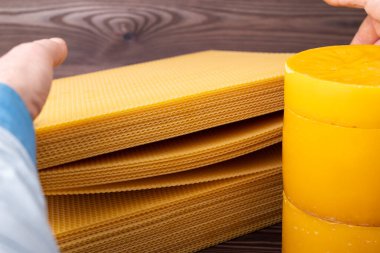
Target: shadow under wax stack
331,147
172,155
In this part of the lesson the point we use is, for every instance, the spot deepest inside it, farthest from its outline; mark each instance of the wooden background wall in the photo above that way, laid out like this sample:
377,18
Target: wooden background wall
109,33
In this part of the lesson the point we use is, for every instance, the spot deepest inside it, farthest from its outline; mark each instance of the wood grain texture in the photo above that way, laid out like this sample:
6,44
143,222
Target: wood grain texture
267,240
105,34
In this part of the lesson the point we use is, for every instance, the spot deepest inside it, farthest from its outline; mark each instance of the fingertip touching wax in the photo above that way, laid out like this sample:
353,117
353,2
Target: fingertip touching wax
331,145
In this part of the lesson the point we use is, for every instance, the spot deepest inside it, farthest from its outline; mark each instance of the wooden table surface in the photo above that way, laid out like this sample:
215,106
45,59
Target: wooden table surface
105,34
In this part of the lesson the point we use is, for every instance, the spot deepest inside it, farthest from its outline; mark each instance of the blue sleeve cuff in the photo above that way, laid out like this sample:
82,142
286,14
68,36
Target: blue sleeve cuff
15,117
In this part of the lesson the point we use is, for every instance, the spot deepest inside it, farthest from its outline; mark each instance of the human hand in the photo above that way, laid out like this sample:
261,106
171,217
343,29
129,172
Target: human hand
369,31
28,69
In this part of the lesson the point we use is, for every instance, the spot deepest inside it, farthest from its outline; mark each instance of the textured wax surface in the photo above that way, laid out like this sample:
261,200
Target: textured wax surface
147,84
353,64
268,158
110,110
74,212
131,221
201,213
169,156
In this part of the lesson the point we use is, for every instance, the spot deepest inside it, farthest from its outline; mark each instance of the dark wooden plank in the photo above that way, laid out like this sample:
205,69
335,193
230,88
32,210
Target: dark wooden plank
104,34
267,240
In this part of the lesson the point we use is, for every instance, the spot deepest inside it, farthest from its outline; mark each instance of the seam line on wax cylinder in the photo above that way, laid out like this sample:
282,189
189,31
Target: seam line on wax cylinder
324,218
328,123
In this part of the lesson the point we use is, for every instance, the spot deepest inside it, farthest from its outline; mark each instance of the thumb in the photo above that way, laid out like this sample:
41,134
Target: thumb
28,69
56,48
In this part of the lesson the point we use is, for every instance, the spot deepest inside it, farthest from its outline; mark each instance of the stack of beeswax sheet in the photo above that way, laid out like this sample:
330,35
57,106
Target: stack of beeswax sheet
172,155
101,112
173,219
109,172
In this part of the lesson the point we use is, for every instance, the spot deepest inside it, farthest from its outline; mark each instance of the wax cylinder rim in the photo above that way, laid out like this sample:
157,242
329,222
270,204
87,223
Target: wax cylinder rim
332,102
291,58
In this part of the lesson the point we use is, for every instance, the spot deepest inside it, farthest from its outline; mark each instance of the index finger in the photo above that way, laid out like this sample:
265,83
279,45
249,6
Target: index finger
366,33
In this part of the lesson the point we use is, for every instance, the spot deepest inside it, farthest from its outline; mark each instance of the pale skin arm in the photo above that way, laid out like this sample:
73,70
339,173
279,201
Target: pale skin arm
369,31
28,69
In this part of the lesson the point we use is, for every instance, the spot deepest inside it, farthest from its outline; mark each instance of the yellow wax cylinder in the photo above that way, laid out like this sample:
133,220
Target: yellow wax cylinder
304,233
332,171
331,135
